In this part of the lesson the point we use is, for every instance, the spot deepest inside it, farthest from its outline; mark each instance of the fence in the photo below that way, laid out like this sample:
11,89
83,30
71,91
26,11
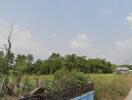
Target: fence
86,96
66,94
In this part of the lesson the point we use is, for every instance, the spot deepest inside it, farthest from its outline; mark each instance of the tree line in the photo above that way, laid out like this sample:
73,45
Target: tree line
26,64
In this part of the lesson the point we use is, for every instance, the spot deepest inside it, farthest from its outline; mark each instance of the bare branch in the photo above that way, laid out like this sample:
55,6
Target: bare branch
9,40
8,46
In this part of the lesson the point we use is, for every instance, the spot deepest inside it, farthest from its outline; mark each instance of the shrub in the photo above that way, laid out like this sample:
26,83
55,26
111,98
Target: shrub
65,79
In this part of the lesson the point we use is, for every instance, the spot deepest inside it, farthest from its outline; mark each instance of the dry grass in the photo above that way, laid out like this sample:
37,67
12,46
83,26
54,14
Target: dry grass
107,86
111,87
9,98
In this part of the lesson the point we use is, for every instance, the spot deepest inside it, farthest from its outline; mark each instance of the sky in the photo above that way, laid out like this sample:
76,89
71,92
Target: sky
92,28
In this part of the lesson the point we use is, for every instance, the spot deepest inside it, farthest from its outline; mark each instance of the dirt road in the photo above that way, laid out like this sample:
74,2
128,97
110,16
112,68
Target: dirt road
129,97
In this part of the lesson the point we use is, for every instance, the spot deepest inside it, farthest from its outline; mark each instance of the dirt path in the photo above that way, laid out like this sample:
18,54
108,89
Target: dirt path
129,97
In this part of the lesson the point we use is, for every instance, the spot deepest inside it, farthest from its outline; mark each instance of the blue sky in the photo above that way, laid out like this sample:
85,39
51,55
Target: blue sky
95,28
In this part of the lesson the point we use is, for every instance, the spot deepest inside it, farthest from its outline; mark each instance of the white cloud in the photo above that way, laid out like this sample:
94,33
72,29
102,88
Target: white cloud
121,51
81,45
80,42
22,41
129,20
118,53
122,46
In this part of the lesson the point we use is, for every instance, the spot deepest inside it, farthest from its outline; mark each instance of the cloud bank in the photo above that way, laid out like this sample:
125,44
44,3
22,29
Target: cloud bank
82,45
81,41
22,41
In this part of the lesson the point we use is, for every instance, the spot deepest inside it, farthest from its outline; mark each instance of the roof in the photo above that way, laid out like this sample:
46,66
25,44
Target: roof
122,68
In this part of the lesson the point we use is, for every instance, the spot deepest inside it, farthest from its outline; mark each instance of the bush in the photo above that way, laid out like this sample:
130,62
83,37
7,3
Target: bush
100,71
81,77
65,79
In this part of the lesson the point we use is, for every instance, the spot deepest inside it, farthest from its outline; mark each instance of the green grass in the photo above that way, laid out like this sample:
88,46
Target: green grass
31,79
107,86
111,87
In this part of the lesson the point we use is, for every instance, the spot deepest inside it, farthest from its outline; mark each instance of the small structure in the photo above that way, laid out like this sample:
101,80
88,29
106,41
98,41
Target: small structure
130,71
82,92
37,91
122,70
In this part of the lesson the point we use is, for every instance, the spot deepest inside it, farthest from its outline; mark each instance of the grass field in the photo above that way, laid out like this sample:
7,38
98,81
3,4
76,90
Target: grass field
107,86
111,87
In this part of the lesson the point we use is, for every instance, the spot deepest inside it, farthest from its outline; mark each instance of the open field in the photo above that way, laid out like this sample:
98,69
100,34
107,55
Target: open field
111,87
107,86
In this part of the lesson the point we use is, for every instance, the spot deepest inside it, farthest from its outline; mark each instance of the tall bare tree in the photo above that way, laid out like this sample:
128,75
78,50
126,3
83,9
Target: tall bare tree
7,48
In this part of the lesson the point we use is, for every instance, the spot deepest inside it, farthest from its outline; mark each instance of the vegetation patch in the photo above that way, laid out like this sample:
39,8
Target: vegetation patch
111,87
107,86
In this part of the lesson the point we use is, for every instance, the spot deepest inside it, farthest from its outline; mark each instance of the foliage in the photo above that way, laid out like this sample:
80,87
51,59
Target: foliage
3,63
72,62
21,63
65,79
27,65
24,63
109,87
68,70
126,65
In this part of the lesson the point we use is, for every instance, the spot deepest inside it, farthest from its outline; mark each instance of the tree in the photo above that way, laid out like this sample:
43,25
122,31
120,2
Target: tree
30,63
99,65
6,65
70,61
2,63
81,64
54,55
21,63
37,66
55,62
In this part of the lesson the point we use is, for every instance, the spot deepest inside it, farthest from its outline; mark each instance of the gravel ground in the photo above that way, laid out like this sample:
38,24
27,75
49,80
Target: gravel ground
129,97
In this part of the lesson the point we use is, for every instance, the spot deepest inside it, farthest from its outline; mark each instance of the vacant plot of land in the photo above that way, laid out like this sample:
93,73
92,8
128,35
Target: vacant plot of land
111,87
107,86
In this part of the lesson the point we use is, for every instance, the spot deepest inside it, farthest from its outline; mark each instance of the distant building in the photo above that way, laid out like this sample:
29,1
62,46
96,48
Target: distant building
130,71
122,70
